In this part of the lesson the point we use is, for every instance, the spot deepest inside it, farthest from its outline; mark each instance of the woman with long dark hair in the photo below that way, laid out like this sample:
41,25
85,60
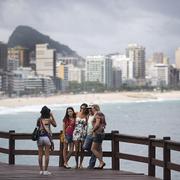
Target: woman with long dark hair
68,128
80,132
44,142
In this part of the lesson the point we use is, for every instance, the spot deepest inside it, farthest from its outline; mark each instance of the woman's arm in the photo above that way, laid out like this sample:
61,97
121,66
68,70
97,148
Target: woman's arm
64,128
97,124
53,122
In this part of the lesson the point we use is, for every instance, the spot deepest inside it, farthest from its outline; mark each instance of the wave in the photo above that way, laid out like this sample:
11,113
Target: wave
33,108
139,101
37,108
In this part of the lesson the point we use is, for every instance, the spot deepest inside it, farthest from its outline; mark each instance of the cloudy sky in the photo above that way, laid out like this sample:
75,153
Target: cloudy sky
93,27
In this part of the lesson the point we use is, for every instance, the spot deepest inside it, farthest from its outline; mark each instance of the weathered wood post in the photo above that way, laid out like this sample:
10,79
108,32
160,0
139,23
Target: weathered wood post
115,150
166,160
11,147
151,156
61,145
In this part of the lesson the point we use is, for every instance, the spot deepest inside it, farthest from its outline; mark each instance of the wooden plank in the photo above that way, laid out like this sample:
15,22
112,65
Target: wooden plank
4,135
4,150
157,143
158,162
173,166
173,145
134,140
132,157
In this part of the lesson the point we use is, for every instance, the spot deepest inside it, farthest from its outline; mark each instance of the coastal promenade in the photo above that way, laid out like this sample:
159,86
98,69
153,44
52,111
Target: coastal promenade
11,171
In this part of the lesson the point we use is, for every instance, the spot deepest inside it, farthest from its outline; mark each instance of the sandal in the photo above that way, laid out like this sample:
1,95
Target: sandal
102,166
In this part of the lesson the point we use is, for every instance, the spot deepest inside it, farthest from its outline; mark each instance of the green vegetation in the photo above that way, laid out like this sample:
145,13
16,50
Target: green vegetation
76,87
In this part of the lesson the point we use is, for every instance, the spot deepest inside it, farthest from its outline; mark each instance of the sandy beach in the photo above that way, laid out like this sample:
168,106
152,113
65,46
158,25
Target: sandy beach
90,98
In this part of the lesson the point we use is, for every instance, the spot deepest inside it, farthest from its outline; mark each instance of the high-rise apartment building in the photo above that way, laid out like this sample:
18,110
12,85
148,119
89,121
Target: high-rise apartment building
74,73
45,60
62,71
99,69
21,54
117,78
137,54
3,56
160,75
160,58
177,58
125,65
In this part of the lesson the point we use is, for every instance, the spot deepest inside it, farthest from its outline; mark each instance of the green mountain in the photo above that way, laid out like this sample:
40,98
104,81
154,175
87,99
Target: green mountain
28,37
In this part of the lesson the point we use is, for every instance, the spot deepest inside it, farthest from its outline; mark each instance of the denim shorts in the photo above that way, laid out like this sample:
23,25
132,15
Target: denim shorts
69,138
98,138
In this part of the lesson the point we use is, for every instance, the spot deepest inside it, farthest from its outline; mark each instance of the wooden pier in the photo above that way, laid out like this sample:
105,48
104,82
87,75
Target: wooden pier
11,171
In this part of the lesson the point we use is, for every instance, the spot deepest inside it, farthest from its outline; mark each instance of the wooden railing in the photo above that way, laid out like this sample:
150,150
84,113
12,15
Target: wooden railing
116,155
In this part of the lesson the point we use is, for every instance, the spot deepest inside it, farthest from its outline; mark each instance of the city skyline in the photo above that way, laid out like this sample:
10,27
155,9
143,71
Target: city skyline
98,27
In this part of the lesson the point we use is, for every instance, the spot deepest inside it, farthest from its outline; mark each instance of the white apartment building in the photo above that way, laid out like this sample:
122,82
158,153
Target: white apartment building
45,60
13,64
160,75
74,73
125,65
17,83
99,68
24,80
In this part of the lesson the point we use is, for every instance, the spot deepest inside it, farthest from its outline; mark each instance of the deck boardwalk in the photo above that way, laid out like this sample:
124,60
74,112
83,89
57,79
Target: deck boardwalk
22,172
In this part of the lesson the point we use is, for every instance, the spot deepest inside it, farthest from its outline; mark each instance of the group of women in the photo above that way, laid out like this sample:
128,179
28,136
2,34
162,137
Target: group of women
83,130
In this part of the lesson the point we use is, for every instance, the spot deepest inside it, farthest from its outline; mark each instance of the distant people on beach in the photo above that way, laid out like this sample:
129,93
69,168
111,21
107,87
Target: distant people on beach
80,132
45,138
68,128
93,109
99,124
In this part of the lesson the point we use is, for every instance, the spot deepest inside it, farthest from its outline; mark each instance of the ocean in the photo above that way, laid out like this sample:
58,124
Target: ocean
141,118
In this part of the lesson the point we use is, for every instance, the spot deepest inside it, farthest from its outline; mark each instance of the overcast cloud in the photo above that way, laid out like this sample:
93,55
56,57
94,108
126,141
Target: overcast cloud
93,27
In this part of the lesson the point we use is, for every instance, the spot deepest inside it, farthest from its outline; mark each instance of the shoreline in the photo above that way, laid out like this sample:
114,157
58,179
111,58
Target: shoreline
90,98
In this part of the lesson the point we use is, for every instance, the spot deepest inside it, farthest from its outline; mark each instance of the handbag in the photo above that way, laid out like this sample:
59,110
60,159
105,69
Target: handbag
35,134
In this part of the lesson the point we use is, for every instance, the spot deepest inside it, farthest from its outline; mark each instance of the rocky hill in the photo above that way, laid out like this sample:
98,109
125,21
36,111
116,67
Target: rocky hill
28,37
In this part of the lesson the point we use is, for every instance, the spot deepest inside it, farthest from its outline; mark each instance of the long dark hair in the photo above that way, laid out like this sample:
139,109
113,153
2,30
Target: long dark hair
45,112
102,116
86,111
67,116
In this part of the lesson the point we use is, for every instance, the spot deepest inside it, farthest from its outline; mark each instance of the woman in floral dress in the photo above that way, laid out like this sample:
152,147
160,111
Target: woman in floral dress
80,132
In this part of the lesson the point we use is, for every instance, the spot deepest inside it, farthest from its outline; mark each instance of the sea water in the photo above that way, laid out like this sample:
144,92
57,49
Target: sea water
141,118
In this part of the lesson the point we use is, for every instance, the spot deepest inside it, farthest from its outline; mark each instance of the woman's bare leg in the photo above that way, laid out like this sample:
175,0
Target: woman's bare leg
40,157
65,149
96,148
76,144
46,157
71,148
82,154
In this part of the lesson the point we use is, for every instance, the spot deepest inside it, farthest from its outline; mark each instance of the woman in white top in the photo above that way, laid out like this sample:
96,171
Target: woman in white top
44,141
